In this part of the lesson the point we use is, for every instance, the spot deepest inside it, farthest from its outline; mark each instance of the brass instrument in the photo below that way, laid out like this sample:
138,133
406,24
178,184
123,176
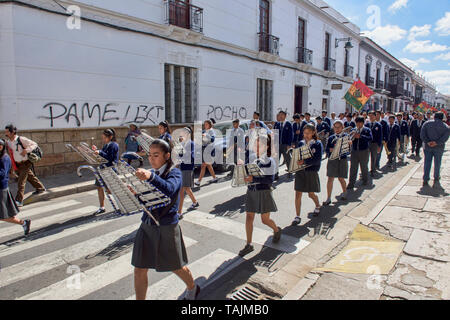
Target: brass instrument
354,133
341,148
348,129
242,171
386,148
302,153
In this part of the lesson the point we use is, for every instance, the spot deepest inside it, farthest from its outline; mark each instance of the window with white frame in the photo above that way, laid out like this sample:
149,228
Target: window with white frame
264,99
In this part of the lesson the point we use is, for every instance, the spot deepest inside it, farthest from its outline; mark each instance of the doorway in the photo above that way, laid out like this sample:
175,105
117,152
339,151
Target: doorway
298,103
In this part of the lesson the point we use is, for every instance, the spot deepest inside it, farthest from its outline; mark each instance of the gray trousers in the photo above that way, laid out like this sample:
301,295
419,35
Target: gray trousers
359,159
373,149
286,155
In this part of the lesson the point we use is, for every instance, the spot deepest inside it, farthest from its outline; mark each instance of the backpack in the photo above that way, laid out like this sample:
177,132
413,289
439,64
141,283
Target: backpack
35,155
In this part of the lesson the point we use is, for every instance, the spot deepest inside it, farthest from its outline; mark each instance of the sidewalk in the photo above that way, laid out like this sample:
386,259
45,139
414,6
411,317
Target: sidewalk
398,250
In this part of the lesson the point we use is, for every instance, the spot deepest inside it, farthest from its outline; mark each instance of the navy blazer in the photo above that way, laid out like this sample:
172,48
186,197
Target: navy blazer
188,166
110,152
323,126
363,142
415,128
377,132
385,126
350,124
170,186
328,121
404,128
287,135
393,135
297,137
316,160
267,165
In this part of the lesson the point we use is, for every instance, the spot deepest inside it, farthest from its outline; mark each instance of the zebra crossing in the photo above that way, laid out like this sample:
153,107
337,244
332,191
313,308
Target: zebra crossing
55,246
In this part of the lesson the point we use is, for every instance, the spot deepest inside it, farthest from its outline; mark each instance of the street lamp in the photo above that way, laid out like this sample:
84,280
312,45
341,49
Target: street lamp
348,44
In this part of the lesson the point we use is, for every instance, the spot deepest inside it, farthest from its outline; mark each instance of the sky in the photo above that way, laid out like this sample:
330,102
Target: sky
417,32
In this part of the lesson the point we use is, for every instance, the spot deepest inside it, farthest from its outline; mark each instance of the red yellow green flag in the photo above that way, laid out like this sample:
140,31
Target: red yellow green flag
358,94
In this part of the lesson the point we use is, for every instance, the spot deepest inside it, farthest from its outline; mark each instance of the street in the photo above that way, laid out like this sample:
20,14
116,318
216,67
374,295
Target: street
70,254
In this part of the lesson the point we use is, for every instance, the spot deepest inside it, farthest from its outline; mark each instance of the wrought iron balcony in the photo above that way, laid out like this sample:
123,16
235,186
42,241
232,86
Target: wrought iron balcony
380,84
330,65
370,81
269,43
184,15
304,55
348,71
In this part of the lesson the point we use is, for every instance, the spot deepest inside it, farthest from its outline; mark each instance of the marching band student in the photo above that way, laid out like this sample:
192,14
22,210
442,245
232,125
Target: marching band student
416,127
385,131
336,168
307,180
131,145
392,138
259,199
161,247
296,127
236,143
164,131
360,153
332,120
187,171
209,136
322,129
342,118
376,144
8,207
286,135
110,152
349,122
404,134
325,118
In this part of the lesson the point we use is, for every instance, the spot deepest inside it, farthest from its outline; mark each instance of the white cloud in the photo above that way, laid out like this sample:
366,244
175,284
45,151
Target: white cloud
443,56
414,63
443,25
398,5
424,47
417,31
384,36
441,78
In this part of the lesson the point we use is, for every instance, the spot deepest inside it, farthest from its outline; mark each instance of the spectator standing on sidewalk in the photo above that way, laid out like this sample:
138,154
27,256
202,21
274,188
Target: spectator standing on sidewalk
434,135
8,207
19,147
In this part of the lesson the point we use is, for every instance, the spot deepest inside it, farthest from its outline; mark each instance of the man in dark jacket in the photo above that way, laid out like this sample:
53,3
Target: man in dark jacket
434,135
360,153
393,138
286,136
377,141
416,127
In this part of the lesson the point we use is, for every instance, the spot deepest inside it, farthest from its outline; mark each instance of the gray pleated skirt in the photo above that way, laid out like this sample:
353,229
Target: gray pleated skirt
161,248
260,201
307,181
8,206
188,178
337,168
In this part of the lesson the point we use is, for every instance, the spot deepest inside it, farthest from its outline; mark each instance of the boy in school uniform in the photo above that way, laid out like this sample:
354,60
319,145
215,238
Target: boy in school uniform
392,138
376,143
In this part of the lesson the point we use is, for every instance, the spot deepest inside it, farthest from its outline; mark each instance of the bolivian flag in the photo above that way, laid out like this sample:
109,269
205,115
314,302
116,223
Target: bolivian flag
422,108
358,94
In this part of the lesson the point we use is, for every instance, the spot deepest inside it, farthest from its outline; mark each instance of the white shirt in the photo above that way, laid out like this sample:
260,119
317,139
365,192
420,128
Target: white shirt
17,148
160,171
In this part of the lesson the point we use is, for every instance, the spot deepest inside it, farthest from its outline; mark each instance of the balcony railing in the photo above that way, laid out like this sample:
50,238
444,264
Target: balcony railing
330,65
380,84
269,43
304,55
370,81
348,71
184,15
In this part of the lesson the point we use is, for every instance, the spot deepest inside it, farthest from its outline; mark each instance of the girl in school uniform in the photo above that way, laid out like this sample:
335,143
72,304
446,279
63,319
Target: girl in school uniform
161,247
110,152
187,171
336,168
8,206
259,199
307,180
208,138
164,131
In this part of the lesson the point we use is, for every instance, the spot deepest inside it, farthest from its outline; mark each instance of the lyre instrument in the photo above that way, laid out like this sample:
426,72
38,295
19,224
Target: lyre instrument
302,153
242,171
144,140
341,148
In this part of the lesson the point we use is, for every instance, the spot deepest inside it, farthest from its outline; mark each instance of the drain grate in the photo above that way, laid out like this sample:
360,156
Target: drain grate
249,293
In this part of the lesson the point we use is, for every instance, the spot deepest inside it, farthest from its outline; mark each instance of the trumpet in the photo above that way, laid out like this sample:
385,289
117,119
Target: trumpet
354,133
302,153
386,148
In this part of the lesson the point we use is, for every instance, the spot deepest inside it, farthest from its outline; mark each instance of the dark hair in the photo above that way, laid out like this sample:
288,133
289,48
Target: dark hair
165,147
3,152
11,128
378,112
313,129
319,118
236,121
308,114
165,124
257,113
282,112
324,111
372,113
213,121
209,122
360,120
392,117
296,116
439,115
191,132
110,133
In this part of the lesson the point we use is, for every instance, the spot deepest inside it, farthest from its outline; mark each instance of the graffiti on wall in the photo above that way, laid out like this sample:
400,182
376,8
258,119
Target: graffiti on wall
96,114
226,113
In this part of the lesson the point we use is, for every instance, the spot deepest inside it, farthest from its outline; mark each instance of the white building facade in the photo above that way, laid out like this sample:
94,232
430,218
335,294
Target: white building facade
184,61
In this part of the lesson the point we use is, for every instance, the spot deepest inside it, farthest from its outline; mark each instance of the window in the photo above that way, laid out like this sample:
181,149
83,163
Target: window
327,49
181,93
301,33
264,99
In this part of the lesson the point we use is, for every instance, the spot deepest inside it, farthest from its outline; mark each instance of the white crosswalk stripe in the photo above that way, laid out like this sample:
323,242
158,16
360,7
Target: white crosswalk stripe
205,271
37,265
236,229
47,221
91,280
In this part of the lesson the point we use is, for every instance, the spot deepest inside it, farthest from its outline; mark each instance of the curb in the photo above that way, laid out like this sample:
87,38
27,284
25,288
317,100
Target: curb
61,192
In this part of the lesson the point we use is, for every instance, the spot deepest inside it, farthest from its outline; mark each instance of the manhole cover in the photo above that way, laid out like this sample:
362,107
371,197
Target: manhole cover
249,293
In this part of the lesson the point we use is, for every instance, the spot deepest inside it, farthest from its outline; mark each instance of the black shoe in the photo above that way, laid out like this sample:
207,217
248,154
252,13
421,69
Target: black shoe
350,187
180,216
100,211
296,221
326,203
437,185
277,236
247,249
27,226
425,184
